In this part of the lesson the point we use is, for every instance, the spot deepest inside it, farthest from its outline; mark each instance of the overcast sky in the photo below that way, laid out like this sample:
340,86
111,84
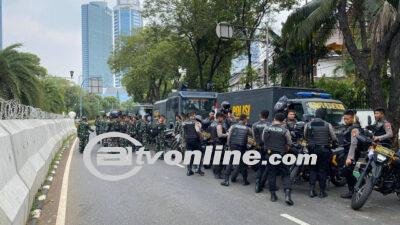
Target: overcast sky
49,28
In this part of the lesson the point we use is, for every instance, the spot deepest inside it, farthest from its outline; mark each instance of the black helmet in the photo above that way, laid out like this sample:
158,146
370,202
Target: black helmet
225,105
281,105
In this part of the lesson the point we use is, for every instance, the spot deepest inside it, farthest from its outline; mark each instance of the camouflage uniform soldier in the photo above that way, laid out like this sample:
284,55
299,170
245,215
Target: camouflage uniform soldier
83,134
160,138
97,124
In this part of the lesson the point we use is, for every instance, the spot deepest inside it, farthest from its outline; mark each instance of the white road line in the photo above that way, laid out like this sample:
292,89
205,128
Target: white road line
180,166
294,219
62,207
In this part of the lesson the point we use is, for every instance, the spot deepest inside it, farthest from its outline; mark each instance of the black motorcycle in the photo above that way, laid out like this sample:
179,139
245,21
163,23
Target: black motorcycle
382,173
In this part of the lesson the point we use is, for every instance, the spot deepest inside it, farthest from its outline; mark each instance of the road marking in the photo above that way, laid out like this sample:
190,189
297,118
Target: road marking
180,166
294,219
62,207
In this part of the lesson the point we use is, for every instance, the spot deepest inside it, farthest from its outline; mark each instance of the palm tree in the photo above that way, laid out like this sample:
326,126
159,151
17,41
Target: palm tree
20,76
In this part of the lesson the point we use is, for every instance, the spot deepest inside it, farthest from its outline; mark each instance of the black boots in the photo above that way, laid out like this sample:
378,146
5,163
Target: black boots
258,187
189,173
322,193
274,198
201,173
225,182
349,194
312,191
288,197
245,181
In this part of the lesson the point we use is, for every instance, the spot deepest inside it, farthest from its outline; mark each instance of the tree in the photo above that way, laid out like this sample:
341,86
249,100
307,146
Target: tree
249,15
19,76
195,21
150,62
371,33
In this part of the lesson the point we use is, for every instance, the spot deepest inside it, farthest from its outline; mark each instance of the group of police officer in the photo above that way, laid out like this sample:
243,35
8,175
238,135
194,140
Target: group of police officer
274,137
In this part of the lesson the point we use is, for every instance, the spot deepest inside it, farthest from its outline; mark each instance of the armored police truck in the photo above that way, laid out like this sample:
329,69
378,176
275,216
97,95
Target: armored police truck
143,109
184,102
303,100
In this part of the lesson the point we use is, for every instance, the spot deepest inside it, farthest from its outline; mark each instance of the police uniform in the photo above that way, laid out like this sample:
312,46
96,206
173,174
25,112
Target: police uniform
383,130
258,129
237,141
193,141
320,136
217,139
350,145
276,140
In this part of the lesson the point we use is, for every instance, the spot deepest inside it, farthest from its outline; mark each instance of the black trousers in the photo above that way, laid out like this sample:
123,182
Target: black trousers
262,170
347,172
218,168
194,145
241,168
320,171
274,171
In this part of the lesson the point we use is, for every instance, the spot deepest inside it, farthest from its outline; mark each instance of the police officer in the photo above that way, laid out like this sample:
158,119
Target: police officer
207,122
320,137
258,129
237,141
291,120
83,133
192,135
218,137
382,129
350,143
277,140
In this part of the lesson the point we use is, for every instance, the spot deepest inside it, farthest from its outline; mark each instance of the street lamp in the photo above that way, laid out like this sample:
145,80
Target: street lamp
226,31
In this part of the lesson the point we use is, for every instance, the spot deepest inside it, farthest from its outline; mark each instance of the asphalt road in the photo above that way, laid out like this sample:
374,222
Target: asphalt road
163,194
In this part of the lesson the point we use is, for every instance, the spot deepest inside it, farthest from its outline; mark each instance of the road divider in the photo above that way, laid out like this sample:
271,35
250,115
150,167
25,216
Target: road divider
27,148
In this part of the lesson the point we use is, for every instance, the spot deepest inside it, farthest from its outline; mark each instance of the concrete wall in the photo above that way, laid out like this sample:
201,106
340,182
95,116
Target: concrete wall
27,148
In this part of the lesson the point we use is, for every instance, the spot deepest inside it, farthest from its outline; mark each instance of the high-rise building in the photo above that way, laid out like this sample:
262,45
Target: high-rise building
97,42
1,24
127,19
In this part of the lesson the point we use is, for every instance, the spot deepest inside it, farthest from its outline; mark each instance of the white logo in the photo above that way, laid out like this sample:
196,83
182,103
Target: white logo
111,156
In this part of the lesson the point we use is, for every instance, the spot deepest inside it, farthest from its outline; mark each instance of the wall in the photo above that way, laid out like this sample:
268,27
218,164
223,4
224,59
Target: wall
27,148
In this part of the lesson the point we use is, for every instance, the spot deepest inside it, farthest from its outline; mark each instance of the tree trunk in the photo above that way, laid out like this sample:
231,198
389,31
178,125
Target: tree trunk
393,114
249,79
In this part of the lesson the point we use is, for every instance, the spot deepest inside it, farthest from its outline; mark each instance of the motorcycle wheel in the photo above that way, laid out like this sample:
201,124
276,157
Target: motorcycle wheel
338,180
361,196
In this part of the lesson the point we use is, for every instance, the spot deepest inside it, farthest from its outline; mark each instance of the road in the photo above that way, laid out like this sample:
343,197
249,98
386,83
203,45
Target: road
163,194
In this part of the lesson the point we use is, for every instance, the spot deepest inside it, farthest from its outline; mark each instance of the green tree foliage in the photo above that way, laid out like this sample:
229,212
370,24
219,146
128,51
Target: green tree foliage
20,74
195,22
150,62
351,91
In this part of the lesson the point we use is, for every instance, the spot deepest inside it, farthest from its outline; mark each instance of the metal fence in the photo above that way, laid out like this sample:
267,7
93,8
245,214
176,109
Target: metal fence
11,109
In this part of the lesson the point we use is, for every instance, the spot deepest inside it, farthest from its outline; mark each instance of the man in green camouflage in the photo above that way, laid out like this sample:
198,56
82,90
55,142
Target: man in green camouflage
160,137
83,133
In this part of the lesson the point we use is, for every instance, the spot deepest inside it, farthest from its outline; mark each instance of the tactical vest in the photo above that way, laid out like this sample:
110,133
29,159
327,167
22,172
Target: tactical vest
379,130
189,131
318,133
239,135
212,129
258,129
274,138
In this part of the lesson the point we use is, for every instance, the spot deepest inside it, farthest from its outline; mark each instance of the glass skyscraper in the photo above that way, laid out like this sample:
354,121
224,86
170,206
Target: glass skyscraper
97,42
1,24
127,19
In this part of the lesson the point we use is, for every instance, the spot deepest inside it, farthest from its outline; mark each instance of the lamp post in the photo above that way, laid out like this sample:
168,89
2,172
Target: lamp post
226,31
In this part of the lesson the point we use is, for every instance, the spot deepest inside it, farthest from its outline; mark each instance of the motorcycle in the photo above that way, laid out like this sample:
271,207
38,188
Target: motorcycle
382,173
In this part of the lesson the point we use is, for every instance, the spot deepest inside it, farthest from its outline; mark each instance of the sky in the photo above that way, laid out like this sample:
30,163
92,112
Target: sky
49,28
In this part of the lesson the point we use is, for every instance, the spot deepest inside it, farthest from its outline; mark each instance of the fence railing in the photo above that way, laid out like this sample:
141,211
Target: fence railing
11,109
